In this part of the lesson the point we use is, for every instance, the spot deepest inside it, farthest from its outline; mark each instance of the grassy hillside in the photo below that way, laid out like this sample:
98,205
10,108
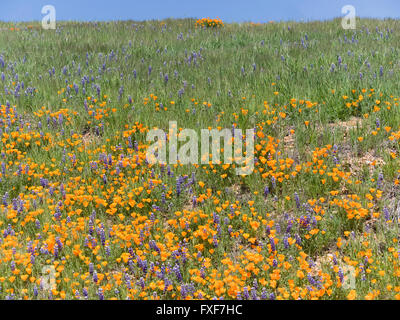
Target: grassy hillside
318,217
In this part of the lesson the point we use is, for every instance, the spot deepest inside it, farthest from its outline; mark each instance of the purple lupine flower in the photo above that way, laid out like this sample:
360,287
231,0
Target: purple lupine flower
35,291
56,251
286,242
255,284
57,214
267,229
296,197
246,293
102,237
167,283
202,271
178,186
163,198
271,296
273,180
298,239
85,293
311,279
194,201
272,243
91,268
266,191
264,294
215,241
278,227
91,228
380,181
386,214
95,277
254,293
216,218
101,294
108,251
340,273
363,278
60,119
177,272
141,283
289,226
183,291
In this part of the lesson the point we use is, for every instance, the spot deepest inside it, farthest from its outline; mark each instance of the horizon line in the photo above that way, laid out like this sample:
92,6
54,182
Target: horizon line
302,20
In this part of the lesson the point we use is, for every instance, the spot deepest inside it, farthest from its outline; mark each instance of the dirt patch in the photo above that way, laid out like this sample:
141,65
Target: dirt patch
241,192
327,261
89,138
188,206
369,159
320,262
237,250
352,123
292,152
289,142
344,126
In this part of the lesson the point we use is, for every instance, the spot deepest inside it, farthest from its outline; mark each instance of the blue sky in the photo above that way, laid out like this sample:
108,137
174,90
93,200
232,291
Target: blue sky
228,10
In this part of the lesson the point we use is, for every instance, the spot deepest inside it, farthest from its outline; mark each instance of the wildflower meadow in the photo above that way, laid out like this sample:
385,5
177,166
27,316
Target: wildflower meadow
84,214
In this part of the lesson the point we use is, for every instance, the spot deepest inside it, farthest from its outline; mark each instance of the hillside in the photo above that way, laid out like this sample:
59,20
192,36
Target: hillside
317,215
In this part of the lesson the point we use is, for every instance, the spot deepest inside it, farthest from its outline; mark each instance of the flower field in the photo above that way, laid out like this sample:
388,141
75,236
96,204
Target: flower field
84,215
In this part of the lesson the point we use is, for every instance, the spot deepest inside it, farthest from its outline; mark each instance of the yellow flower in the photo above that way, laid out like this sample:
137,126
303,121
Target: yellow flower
352,295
